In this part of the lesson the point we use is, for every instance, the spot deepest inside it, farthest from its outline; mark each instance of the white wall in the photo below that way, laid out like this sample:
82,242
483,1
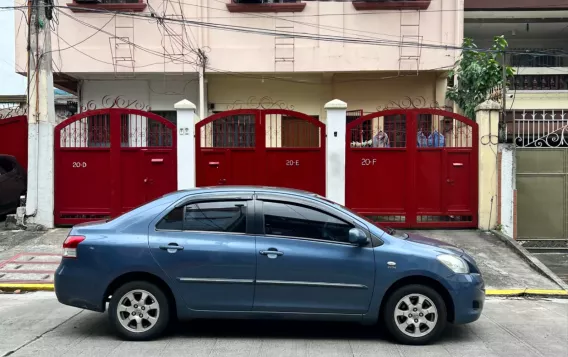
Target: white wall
507,187
160,92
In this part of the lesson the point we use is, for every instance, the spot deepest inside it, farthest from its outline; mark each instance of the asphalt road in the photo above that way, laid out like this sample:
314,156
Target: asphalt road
37,325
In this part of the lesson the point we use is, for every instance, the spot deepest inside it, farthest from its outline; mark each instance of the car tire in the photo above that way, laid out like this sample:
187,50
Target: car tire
415,314
139,311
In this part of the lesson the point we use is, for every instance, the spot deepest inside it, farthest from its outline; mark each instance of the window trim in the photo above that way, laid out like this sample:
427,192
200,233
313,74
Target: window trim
260,227
391,5
266,7
127,7
184,202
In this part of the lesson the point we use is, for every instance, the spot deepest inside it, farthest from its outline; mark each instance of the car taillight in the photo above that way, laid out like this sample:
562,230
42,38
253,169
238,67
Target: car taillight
70,246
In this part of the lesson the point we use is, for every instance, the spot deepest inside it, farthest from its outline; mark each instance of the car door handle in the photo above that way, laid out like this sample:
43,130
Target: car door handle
173,247
271,252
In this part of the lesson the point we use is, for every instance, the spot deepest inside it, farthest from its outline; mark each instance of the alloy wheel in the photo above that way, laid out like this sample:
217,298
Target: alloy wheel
415,315
138,311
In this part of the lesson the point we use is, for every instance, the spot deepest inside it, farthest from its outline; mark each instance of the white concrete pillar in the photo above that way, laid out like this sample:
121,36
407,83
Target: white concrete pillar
507,188
185,144
487,117
336,122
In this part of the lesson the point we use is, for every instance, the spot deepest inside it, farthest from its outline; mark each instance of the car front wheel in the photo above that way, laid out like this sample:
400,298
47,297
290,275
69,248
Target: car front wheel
139,311
415,314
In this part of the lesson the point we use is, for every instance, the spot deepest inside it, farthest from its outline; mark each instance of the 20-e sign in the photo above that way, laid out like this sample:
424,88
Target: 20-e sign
292,162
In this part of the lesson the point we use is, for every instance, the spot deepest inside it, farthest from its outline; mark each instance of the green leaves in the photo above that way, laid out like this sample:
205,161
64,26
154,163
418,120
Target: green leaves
478,73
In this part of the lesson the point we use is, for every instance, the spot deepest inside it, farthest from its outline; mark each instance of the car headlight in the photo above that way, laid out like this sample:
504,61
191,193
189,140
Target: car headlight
454,263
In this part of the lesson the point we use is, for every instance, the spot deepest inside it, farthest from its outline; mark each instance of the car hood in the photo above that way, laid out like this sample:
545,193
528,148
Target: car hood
417,238
444,248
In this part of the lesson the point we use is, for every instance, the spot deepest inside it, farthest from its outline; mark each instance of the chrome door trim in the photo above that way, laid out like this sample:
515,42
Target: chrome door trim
312,284
215,280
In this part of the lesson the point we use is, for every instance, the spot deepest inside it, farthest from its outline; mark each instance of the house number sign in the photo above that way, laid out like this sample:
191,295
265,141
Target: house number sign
79,164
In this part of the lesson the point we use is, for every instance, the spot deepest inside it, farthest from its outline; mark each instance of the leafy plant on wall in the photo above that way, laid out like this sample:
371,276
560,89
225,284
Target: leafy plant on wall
478,73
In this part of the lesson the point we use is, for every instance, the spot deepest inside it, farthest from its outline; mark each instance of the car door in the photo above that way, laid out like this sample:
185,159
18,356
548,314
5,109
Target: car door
305,263
203,245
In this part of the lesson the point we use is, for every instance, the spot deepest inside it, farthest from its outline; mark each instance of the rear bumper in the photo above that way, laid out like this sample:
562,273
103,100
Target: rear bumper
77,287
468,296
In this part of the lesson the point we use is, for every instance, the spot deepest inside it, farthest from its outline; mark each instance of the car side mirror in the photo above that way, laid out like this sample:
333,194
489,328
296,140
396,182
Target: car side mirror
358,237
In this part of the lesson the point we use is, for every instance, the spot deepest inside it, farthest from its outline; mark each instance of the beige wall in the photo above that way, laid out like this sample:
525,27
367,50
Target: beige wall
538,100
250,52
309,93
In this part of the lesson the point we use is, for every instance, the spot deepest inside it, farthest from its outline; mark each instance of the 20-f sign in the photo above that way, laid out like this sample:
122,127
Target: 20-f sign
368,162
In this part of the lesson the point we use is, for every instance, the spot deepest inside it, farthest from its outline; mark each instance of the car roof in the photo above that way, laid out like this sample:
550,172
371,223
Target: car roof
248,188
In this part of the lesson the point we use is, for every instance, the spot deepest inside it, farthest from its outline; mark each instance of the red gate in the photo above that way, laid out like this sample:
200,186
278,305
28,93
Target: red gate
413,168
14,138
110,161
277,147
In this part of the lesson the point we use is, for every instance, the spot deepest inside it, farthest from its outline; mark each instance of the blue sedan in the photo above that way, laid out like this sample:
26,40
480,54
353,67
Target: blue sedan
252,252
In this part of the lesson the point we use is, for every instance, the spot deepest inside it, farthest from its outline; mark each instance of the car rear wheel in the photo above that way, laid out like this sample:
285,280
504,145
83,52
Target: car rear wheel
415,314
139,311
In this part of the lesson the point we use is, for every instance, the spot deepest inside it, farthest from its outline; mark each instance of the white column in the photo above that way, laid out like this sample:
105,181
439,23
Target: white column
185,144
336,121
41,123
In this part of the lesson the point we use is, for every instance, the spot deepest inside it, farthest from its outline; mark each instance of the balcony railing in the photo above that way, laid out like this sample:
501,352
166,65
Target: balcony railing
539,82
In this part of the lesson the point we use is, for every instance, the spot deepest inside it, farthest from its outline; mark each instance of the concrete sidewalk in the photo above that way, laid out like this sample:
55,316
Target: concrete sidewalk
502,267
29,259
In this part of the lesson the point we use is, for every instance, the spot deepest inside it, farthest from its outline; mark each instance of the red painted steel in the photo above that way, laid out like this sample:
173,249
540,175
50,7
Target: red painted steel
110,161
422,173
272,147
14,138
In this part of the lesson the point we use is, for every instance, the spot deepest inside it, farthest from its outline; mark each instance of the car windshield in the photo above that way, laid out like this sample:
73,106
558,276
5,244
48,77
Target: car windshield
391,231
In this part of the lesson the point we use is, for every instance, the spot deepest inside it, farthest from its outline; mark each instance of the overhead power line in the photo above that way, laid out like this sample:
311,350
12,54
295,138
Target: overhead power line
302,35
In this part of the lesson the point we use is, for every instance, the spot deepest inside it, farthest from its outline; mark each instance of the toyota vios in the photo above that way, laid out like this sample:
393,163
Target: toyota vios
251,252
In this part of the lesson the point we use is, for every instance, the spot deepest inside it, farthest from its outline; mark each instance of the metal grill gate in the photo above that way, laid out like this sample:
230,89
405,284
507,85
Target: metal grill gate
413,168
110,161
541,138
272,147
14,138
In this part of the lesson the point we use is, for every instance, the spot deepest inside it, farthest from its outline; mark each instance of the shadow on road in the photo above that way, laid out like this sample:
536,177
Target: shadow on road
100,327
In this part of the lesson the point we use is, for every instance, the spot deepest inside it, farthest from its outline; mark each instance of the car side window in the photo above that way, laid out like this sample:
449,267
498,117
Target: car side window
291,220
226,216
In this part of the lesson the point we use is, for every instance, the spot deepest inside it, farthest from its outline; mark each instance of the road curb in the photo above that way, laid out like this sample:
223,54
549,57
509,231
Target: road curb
7,287
529,258
527,293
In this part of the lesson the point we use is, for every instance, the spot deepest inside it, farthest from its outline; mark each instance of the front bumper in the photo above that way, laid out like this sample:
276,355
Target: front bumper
78,287
469,297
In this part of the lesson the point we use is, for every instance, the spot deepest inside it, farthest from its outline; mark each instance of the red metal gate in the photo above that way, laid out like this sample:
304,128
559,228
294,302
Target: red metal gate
273,147
413,168
14,138
110,161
